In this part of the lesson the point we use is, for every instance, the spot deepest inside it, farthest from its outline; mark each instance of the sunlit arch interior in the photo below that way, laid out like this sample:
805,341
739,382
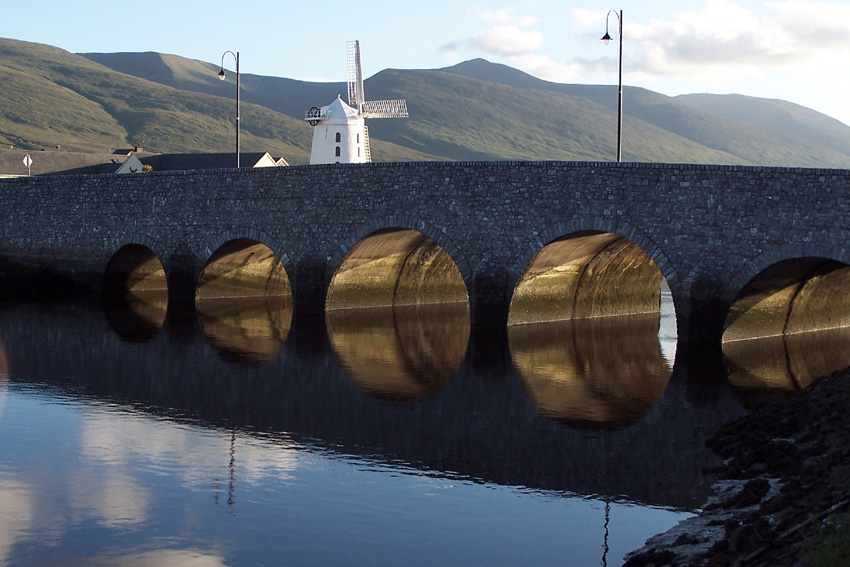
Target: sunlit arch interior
135,292
242,268
396,267
397,314
134,269
789,325
586,275
244,301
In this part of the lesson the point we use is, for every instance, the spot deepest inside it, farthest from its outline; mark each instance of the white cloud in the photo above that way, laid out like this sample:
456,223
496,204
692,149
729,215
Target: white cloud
507,41
17,504
506,16
512,38
726,37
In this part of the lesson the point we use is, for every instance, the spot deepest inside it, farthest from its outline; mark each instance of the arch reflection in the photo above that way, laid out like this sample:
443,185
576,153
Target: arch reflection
401,353
135,293
244,301
789,326
603,373
246,330
786,363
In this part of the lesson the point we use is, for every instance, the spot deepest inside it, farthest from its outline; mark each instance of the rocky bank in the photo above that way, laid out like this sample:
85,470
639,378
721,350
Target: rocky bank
784,487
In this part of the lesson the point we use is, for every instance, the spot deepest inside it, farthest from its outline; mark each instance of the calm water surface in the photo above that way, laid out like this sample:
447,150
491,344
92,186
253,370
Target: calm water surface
233,438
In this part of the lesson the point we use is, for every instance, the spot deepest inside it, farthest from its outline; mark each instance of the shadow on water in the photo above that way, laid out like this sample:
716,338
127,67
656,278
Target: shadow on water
402,390
137,317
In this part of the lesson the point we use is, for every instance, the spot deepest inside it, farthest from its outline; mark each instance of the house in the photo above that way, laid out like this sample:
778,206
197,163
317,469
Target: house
55,162
184,162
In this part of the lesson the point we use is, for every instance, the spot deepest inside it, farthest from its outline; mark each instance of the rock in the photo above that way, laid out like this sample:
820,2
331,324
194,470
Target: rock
786,468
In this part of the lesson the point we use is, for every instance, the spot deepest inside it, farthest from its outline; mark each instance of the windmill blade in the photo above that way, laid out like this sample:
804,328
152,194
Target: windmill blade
356,95
384,109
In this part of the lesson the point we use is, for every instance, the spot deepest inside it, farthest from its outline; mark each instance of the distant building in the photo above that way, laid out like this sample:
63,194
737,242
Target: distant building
56,162
184,162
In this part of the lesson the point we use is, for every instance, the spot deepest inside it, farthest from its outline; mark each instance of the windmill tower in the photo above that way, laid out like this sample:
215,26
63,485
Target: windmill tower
340,134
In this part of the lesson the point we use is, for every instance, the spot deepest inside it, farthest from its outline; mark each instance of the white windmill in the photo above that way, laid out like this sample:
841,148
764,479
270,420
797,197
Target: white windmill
340,134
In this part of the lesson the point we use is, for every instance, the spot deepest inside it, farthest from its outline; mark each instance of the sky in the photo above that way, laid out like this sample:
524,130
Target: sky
792,50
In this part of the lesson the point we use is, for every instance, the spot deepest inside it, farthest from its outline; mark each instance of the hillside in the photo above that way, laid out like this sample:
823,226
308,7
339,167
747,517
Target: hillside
472,111
777,115
52,97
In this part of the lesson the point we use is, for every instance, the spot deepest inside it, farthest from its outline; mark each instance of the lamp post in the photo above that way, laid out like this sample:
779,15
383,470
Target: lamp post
222,75
606,39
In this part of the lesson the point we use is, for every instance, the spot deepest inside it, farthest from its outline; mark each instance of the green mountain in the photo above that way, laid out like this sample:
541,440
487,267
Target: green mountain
52,97
476,110
775,115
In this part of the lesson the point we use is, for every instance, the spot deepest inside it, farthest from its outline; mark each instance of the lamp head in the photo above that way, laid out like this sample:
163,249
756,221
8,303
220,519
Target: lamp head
222,75
606,39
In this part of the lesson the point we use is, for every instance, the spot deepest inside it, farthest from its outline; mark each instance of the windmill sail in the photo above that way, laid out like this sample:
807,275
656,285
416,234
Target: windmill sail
355,75
357,95
384,109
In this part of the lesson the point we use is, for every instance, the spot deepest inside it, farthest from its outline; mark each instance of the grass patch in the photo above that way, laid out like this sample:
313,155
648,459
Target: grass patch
829,545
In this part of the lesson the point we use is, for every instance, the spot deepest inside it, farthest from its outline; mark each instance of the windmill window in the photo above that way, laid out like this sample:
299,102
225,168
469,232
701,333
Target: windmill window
358,138
337,150
338,138
358,152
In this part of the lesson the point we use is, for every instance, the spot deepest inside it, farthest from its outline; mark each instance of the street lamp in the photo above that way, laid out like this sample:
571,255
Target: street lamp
222,75
606,39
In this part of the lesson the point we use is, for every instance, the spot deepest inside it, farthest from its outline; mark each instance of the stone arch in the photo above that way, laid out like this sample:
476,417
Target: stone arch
135,292
752,267
225,242
113,245
600,224
789,322
134,265
589,228
250,233
243,296
437,234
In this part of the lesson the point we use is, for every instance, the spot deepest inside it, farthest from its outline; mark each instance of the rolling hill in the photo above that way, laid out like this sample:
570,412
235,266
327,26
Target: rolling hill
476,110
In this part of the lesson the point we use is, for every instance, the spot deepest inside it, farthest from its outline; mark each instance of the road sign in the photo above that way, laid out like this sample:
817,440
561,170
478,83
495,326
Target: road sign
28,163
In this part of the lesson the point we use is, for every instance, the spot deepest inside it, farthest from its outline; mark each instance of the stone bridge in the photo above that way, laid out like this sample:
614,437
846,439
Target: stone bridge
709,230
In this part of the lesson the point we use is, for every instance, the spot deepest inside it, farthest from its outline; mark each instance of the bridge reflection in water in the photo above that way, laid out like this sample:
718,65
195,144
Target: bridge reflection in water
789,326
401,353
247,329
597,373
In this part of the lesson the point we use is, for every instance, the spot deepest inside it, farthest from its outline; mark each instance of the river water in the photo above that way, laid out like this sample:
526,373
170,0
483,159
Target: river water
242,440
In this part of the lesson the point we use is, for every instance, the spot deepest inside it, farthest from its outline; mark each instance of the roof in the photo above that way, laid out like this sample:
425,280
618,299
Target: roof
338,112
184,162
53,162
